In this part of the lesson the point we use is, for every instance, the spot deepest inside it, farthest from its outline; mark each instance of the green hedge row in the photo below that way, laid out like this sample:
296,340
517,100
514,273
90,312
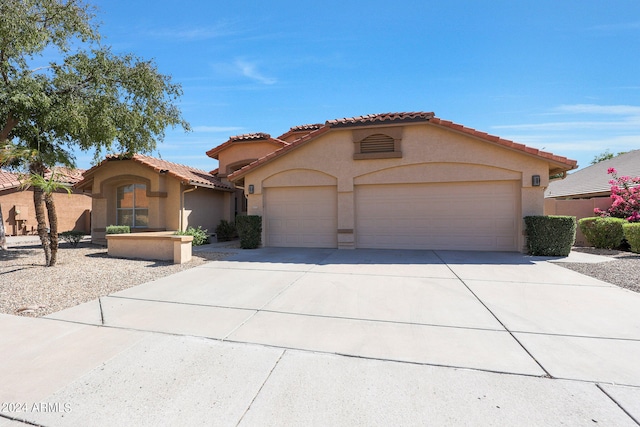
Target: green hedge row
550,235
250,231
118,229
632,234
604,233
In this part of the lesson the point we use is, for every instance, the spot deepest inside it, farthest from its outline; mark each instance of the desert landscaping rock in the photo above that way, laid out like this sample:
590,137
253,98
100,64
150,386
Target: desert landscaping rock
28,288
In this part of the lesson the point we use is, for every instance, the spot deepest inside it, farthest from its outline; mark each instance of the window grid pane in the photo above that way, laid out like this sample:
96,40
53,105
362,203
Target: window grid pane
132,207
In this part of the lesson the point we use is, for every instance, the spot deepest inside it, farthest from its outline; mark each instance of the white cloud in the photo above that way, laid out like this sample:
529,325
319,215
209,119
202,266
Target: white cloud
618,110
249,69
220,29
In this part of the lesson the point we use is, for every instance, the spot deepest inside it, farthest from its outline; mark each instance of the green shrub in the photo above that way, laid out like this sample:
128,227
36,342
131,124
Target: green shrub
250,231
550,235
604,233
72,237
226,231
200,236
632,234
118,229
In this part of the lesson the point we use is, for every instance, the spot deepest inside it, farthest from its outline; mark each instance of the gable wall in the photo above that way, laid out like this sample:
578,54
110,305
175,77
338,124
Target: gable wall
432,153
243,152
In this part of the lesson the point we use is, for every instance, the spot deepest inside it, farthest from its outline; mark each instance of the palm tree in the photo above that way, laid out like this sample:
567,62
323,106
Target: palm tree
43,190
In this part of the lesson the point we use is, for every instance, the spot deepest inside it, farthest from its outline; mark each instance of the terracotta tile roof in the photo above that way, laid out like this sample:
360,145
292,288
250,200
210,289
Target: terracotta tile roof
8,180
64,176
567,164
259,136
383,118
562,163
67,175
594,180
300,141
185,174
302,129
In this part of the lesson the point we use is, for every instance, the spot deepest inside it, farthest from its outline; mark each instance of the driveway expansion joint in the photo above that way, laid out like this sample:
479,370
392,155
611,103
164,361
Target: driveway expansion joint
496,317
618,404
261,387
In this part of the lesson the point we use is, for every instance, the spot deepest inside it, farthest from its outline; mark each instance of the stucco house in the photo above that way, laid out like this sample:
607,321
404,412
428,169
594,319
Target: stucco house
587,189
394,180
151,194
73,210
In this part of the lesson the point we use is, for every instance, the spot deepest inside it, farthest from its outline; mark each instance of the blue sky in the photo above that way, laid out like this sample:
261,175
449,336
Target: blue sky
563,76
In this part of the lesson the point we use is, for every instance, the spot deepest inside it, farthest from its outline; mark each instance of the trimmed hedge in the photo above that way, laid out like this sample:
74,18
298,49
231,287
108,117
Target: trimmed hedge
632,234
250,231
200,236
550,235
118,229
603,232
226,231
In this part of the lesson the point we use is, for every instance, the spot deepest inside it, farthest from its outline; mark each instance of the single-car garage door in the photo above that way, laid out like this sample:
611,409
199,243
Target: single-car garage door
463,216
301,216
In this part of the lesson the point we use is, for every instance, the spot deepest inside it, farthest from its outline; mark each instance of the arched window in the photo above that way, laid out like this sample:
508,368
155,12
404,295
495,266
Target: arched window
133,206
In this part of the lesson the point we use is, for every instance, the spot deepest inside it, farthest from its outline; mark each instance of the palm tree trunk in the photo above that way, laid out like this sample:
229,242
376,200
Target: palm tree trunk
3,239
53,225
38,201
43,232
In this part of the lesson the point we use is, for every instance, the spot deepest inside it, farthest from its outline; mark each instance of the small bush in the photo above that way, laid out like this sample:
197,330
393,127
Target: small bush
550,235
250,231
72,237
226,231
118,229
604,233
200,236
632,234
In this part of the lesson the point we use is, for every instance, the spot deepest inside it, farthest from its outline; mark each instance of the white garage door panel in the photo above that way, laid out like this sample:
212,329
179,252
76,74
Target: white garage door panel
301,216
473,216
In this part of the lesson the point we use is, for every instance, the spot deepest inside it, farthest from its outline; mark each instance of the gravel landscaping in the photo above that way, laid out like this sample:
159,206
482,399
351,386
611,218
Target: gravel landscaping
81,274
623,270
85,273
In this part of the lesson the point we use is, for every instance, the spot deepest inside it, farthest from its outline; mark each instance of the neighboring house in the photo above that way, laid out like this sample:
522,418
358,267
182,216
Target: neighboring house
396,180
587,189
151,194
73,211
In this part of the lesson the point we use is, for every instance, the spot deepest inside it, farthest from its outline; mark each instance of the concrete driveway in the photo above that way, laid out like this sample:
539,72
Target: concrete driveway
328,337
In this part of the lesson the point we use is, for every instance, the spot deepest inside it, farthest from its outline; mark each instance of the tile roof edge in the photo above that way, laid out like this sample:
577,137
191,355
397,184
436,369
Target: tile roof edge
504,142
216,150
141,159
279,152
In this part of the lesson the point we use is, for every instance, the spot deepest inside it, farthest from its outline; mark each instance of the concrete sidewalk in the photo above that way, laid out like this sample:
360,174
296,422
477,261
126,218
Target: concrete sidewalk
364,337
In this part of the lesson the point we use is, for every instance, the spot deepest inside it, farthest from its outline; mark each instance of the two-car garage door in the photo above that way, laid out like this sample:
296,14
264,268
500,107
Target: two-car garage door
470,216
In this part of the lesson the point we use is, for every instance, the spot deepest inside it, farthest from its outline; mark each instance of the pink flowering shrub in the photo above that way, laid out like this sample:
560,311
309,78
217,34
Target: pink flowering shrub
625,196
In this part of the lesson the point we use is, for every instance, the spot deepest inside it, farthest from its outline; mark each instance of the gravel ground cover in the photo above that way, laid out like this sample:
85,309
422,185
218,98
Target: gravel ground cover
81,274
85,273
623,270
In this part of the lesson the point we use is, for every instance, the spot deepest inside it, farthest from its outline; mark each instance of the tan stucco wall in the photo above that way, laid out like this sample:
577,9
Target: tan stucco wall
203,206
73,211
580,208
243,153
429,154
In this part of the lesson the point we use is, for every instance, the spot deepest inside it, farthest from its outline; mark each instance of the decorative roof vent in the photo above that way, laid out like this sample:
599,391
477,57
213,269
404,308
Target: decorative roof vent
377,143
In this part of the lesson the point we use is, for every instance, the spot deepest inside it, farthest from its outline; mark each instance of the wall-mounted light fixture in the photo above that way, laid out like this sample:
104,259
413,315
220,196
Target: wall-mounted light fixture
535,180
251,188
